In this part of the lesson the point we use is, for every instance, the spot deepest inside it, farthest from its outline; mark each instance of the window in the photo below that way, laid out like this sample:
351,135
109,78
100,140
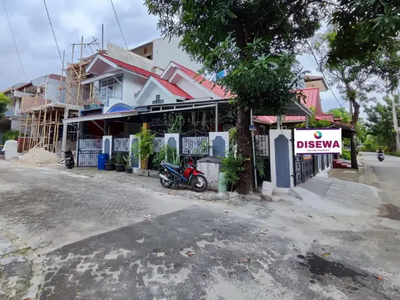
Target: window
111,87
158,100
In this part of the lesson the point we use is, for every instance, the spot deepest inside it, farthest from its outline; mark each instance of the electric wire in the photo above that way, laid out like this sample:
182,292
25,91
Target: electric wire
52,29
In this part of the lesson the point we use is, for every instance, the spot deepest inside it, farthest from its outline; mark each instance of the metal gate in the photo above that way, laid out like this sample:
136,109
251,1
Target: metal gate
304,167
88,150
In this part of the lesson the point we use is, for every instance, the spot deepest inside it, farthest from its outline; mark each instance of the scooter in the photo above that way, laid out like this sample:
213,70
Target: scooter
171,174
69,159
381,157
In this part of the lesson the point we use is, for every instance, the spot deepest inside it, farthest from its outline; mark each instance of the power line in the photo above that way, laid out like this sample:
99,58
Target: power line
122,33
52,29
312,52
15,42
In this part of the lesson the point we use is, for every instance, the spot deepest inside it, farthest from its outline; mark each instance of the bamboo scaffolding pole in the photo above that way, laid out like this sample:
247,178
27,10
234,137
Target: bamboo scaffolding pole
80,74
31,135
26,127
55,138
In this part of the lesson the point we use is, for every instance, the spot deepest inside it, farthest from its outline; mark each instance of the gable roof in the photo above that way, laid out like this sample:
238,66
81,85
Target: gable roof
209,85
174,89
312,100
129,67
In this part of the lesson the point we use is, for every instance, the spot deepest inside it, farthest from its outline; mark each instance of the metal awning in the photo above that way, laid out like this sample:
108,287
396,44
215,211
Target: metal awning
101,117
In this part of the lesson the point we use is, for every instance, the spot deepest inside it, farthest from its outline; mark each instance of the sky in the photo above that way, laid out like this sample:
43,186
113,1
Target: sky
72,19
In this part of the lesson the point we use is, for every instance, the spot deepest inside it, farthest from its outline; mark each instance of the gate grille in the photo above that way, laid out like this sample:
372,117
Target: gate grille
88,150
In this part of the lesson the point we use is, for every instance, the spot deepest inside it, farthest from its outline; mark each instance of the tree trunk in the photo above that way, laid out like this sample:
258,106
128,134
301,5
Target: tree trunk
245,147
353,139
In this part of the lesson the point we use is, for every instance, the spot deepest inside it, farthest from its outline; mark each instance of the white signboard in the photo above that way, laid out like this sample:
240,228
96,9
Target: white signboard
318,141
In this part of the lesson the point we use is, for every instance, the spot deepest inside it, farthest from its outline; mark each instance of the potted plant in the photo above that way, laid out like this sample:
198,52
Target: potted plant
128,163
145,146
120,162
110,165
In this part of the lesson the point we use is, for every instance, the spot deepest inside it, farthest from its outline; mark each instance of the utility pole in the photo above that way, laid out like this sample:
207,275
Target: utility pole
395,124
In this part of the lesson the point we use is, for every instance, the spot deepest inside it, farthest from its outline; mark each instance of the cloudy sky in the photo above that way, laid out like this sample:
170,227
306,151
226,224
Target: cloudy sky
71,20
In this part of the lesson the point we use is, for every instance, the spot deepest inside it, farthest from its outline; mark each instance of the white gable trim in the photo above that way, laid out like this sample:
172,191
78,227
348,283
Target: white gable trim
194,82
146,86
111,64
100,77
164,73
97,57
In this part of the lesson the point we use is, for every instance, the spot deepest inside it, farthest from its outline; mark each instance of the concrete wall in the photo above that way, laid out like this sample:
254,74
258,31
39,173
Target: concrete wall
131,85
128,57
165,51
52,88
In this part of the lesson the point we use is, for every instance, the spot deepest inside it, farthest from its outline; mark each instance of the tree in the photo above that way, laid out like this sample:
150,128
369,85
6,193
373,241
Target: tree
380,121
364,28
352,78
4,103
253,41
341,113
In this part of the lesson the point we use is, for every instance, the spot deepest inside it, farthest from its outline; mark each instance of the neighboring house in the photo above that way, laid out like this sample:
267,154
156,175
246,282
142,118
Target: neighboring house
120,83
39,91
162,51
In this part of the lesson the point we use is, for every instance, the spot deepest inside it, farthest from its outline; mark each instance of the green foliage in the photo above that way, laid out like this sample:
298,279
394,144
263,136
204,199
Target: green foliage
232,166
10,135
167,154
341,113
128,161
233,135
145,145
370,144
176,123
346,154
380,121
4,103
260,166
120,159
314,123
364,28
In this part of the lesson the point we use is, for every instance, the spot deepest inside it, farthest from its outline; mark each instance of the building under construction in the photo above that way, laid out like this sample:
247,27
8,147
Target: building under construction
41,119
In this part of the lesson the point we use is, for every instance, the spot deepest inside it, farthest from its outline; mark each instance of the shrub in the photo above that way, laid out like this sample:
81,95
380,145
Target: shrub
346,154
10,135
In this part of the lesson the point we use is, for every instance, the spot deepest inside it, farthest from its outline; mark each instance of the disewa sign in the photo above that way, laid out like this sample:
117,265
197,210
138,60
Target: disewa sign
318,141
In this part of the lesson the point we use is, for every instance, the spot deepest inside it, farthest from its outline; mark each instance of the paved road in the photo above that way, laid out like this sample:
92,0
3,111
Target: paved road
97,244
388,172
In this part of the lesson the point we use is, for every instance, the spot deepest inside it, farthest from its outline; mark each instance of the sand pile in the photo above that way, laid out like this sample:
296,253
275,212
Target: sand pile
39,156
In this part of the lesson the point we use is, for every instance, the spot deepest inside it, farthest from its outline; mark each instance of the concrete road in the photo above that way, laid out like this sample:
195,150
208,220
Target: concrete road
105,240
388,172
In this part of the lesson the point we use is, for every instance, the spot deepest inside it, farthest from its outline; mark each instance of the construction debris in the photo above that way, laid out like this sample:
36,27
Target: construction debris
38,156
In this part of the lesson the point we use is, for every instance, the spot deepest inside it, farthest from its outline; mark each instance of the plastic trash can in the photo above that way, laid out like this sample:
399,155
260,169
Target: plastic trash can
101,161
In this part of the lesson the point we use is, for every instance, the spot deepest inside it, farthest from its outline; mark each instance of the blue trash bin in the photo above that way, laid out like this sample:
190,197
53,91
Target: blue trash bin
101,161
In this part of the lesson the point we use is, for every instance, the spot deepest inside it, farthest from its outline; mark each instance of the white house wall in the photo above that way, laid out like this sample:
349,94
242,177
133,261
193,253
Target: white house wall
151,93
166,50
131,85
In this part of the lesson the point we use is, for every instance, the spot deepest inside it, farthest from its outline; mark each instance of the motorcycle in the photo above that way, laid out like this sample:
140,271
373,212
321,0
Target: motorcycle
69,159
174,175
381,157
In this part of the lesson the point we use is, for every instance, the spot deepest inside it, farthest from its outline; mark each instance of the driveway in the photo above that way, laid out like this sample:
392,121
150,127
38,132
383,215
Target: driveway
106,240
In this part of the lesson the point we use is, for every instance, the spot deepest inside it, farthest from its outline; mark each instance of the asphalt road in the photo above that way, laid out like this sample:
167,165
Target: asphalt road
106,240
388,172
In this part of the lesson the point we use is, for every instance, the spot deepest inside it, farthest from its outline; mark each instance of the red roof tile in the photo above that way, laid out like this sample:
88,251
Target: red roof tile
174,89
311,100
129,67
211,86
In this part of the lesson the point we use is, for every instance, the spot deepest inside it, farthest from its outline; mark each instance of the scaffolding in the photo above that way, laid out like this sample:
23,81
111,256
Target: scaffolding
42,126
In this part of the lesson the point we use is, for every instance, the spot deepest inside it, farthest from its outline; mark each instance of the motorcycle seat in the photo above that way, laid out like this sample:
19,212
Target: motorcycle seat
172,166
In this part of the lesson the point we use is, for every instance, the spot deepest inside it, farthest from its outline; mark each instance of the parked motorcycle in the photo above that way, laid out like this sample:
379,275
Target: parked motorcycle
174,175
69,159
381,157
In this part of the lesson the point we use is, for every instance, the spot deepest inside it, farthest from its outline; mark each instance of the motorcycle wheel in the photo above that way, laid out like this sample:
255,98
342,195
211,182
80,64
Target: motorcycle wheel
70,165
199,183
164,183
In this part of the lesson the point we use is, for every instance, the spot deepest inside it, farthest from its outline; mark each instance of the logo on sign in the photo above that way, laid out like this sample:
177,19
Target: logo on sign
318,135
